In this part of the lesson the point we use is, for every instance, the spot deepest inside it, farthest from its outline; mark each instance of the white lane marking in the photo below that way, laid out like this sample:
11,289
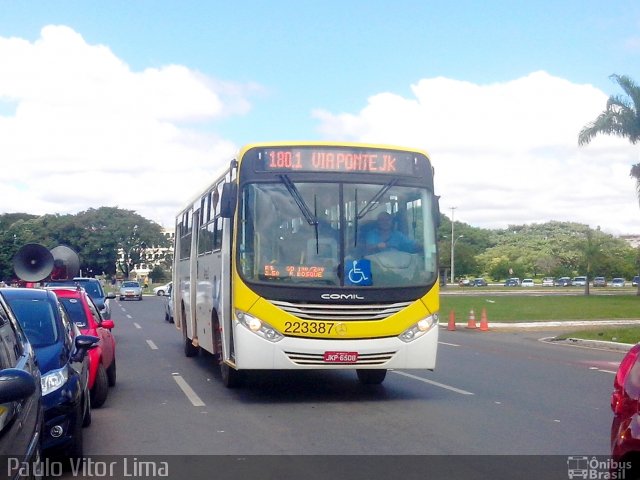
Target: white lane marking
437,384
602,370
450,344
188,391
152,345
137,325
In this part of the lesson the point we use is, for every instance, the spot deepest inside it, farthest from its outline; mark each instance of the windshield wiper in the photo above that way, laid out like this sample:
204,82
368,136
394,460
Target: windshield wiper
311,218
371,204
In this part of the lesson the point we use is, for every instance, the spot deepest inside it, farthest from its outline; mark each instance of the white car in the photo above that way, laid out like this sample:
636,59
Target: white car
162,289
548,282
527,282
618,282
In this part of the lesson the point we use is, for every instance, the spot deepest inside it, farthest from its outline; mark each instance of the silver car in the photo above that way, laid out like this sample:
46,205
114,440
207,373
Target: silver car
130,290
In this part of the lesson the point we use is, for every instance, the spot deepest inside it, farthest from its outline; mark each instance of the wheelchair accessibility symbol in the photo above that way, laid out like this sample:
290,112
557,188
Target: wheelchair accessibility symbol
359,273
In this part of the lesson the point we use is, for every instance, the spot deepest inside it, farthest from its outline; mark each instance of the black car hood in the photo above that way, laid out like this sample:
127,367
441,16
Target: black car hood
51,357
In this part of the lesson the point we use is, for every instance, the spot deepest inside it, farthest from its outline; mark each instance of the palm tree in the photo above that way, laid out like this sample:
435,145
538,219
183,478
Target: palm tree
621,117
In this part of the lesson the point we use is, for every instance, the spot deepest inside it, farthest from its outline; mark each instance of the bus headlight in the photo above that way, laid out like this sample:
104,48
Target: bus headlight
419,328
259,327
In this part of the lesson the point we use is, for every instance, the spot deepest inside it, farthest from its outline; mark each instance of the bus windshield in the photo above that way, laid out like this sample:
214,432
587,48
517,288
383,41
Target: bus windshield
337,234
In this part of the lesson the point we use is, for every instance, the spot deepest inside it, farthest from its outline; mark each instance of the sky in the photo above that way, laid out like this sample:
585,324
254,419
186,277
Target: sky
139,104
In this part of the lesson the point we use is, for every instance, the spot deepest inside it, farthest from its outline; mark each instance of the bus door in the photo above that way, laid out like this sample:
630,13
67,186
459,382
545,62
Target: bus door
193,279
228,199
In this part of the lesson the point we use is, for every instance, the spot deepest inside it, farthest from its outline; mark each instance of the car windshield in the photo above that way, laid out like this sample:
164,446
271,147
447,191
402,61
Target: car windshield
92,288
75,310
38,321
316,234
131,284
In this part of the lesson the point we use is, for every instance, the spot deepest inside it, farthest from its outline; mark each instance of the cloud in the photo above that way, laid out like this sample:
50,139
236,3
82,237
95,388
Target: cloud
506,153
79,128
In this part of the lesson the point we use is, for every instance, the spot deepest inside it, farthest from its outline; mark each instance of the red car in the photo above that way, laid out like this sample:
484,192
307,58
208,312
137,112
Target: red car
625,403
102,359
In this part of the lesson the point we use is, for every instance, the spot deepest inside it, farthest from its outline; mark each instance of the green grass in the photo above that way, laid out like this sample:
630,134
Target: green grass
614,334
515,308
525,308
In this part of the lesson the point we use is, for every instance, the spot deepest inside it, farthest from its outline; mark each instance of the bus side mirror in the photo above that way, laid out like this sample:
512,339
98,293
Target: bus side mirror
228,200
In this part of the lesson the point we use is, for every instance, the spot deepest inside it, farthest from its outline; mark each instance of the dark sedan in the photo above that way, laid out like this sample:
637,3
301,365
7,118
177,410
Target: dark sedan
64,366
20,396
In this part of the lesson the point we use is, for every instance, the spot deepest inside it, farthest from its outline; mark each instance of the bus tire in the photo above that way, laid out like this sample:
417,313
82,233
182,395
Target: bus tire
190,350
371,377
231,378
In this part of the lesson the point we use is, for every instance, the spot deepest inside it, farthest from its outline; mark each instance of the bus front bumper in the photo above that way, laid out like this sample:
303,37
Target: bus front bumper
256,353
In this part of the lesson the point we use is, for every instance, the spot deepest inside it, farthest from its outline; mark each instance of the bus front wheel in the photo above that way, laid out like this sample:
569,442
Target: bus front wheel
371,377
231,378
190,350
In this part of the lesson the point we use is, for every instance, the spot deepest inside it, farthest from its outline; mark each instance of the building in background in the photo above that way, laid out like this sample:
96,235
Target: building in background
152,257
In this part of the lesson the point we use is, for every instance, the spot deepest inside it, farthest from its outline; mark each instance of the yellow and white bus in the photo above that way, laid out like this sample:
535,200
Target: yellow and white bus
281,262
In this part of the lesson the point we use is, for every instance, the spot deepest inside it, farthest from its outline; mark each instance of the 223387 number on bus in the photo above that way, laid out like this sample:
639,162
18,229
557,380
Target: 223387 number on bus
309,328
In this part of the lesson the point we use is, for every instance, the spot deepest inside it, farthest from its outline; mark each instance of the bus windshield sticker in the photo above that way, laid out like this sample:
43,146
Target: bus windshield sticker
359,273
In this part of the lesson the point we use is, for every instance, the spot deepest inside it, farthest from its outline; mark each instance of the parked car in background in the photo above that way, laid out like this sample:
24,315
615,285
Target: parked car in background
548,282
162,289
527,282
479,282
625,403
20,392
61,351
93,288
512,282
579,281
168,307
599,282
464,282
102,359
563,282
618,282
635,280
131,290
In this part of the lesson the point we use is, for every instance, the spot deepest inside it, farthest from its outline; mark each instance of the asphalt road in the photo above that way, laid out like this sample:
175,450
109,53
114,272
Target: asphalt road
491,394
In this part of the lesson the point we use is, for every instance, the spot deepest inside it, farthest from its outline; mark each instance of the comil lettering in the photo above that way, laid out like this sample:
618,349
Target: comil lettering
341,296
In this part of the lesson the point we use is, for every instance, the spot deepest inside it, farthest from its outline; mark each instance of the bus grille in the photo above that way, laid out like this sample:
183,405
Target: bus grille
318,358
341,312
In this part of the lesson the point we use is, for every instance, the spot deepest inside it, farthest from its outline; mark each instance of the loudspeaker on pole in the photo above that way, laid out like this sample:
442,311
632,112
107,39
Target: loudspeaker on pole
33,262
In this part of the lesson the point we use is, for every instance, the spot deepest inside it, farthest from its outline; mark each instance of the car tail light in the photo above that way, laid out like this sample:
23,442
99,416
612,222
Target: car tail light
621,401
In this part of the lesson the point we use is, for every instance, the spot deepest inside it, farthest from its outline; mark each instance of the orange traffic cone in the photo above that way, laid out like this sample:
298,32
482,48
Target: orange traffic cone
452,321
472,320
484,323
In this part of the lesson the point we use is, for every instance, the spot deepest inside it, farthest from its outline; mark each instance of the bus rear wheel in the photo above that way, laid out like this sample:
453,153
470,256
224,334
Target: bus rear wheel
231,378
371,377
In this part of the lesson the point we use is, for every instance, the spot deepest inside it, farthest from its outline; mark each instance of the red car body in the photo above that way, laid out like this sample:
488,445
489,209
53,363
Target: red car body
625,403
102,359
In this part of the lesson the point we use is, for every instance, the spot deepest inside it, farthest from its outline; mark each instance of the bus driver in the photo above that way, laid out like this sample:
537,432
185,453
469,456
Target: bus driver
385,237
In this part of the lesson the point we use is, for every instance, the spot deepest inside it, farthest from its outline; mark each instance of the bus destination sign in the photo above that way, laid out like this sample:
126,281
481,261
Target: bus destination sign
312,159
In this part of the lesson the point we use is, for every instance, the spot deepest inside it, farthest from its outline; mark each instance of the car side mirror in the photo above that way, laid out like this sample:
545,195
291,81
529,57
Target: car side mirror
82,344
15,385
108,324
111,296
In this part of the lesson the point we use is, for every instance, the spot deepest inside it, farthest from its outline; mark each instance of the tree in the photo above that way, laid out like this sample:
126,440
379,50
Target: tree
621,117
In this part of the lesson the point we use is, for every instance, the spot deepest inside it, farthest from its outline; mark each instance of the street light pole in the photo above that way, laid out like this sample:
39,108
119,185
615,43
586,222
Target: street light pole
452,271
453,263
